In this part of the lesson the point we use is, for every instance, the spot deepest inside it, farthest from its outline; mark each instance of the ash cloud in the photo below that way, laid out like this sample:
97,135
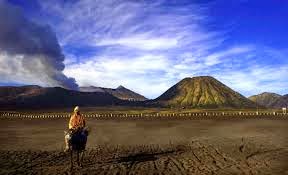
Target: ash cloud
29,52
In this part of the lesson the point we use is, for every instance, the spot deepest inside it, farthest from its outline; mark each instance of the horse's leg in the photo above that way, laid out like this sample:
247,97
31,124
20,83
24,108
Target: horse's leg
78,152
81,154
71,159
82,157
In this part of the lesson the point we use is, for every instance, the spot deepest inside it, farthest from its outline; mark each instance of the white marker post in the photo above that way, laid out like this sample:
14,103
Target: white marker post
284,110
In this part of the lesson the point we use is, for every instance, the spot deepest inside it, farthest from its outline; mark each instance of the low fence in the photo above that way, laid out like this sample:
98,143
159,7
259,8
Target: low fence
143,115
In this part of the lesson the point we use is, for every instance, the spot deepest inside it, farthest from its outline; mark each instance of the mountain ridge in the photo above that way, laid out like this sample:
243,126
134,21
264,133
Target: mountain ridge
41,97
120,92
282,102
195,92
266,99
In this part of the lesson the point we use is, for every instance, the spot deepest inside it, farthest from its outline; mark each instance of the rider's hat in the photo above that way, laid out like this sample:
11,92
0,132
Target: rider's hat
76,109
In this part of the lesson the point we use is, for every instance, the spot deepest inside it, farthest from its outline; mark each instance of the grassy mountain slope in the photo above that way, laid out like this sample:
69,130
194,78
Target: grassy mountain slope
205,92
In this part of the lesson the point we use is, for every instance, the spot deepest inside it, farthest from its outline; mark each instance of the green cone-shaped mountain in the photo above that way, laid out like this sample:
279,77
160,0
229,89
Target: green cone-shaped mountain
203,92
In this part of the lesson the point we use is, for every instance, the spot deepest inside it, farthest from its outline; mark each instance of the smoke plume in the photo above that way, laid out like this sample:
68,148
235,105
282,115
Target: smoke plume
29,52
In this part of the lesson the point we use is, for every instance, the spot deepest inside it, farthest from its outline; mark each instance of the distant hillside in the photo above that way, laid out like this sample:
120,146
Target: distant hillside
281,102
203,92
120,92
91,89
39,97
266,99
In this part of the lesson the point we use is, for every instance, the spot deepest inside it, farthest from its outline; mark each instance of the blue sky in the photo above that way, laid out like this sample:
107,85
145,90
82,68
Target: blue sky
148,46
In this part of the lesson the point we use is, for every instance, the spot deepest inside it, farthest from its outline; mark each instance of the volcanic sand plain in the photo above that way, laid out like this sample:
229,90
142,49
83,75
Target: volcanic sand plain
230,145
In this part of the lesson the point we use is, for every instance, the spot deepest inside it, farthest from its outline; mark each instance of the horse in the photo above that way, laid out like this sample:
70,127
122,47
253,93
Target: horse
77,144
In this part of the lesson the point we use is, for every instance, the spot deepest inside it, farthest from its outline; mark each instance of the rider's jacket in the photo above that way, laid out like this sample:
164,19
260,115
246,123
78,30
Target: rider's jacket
76,121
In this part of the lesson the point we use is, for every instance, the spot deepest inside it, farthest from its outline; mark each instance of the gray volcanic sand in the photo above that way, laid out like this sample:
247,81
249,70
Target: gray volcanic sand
201,146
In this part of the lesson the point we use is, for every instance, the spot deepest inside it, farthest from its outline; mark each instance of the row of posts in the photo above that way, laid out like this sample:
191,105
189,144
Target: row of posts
141,115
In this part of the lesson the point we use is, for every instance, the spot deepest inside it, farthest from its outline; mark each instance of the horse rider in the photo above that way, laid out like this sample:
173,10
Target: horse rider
76,124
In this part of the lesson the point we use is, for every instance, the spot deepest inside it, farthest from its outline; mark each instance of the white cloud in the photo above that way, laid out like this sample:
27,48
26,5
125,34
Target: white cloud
142,42
215,58
139,74
256,79
148,48
137,24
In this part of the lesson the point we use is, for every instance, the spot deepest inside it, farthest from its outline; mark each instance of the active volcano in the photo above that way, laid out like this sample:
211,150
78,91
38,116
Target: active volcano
202,92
